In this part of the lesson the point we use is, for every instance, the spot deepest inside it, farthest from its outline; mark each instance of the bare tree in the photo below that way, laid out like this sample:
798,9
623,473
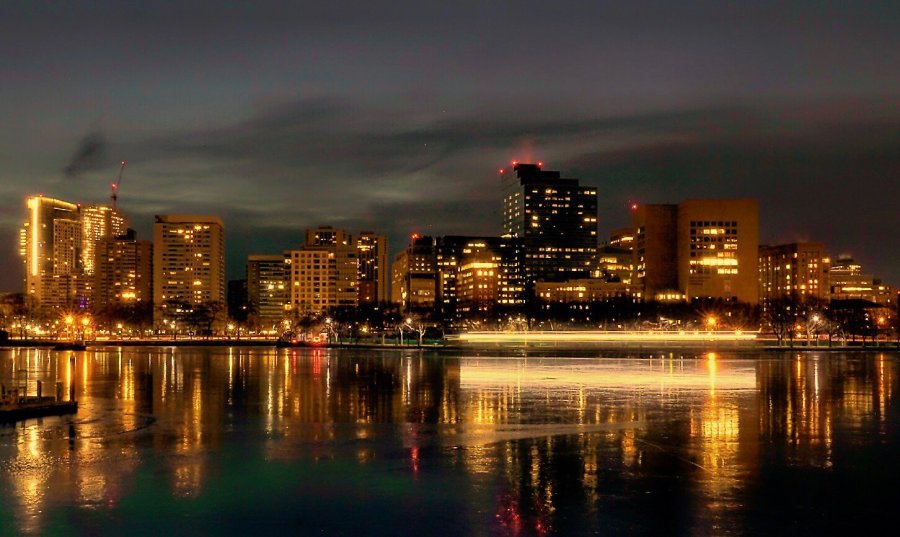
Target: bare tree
780,315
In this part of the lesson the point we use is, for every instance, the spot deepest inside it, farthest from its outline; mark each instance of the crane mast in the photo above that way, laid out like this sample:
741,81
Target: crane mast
114,195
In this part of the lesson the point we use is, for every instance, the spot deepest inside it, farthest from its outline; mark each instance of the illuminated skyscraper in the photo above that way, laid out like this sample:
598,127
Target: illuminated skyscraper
478,280
188,262
371,251
555,217
323,274
51,248
98,222
478,273
414,275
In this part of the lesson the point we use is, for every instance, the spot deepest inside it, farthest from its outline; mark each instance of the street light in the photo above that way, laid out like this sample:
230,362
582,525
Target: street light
85,323
711,322
69,322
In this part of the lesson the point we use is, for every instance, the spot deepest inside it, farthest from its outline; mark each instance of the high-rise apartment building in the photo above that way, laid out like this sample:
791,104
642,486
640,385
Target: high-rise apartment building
797,270
188,263
371,252
322,274
555,217
123,271
98,222
698,249
267,289
50,243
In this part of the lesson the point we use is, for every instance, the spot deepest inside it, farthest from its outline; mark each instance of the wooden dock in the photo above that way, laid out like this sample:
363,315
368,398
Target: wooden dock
35,407
17,405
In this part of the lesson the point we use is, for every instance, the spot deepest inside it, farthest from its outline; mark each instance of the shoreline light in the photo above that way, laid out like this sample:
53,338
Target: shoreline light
589,336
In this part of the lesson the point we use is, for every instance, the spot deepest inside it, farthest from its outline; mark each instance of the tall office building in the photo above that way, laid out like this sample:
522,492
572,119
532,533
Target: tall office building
478,280
123,271
478,273
414,275
323,274
188,262
698,249
50,243
798,270
267,289
555,217
718,249
371,253
98,222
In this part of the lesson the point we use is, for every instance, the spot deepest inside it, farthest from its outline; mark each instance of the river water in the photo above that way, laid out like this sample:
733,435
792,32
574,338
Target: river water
237,441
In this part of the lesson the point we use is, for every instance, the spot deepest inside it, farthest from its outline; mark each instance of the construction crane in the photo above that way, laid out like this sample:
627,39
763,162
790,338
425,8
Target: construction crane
114,195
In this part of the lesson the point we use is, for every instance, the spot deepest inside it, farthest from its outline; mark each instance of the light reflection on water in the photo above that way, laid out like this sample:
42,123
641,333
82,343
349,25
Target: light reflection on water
228,439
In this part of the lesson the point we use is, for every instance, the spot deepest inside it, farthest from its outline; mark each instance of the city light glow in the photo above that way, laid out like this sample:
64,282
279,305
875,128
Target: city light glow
588,336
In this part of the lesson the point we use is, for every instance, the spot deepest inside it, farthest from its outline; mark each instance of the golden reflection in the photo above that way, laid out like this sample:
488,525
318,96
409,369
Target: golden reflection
509,423
188,479
629,448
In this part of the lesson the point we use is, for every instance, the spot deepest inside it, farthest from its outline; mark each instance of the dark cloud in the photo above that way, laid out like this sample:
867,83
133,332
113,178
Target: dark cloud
395,170
403,169
90,156
825,181
395,116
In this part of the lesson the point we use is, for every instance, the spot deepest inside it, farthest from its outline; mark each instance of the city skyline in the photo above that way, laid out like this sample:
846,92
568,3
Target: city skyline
236,266
499,267
260,118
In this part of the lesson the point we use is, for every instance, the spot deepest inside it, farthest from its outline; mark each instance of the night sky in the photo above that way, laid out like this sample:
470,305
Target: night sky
396,117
